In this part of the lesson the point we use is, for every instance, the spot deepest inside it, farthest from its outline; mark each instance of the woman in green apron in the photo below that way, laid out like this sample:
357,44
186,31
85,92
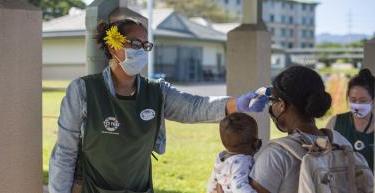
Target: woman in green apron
357,125
111,122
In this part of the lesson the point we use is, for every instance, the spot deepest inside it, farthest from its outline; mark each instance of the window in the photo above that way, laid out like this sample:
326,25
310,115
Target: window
291,6
272,31
303,7
303,20
283,19
303,33
312,7
311,21
290,45
290,20
219,60
291,32
303,45
311,34
226,2
238,2
272,18
272,4
283,32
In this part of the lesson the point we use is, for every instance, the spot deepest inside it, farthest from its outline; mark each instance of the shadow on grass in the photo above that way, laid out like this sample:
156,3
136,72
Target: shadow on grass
45,182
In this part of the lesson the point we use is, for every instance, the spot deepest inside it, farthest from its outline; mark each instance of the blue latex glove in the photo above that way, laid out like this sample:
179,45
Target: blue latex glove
243,102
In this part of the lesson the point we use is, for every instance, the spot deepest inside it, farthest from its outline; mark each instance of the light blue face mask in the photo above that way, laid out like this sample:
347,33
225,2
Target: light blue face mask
135,61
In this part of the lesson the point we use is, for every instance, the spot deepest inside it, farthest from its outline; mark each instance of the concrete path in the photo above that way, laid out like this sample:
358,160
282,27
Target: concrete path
204,89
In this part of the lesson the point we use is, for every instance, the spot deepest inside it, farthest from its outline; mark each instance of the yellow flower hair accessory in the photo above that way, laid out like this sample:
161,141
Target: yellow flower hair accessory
114,39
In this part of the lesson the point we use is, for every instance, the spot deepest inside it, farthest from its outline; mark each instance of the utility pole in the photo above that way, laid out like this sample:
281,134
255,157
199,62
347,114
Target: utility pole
150,7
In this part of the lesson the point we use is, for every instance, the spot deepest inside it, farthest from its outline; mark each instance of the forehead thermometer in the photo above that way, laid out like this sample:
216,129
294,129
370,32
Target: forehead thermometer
262,91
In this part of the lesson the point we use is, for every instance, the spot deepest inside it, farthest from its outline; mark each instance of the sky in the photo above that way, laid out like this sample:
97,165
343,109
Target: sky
334,16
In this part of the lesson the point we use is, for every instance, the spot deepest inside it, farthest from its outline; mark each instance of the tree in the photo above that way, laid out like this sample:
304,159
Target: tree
207,9
329,45
56,8
358,44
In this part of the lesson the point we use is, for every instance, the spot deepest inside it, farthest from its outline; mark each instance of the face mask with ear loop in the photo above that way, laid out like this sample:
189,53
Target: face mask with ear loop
275,118
360,110
136,60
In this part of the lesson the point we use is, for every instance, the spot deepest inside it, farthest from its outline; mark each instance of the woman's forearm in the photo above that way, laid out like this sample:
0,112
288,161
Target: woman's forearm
187,108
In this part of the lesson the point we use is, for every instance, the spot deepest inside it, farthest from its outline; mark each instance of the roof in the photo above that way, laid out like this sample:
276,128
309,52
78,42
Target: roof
72,22
225,27
200,31
305,1
159,15
74,25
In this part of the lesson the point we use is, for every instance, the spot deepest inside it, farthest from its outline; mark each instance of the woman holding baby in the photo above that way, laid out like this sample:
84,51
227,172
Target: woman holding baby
298,98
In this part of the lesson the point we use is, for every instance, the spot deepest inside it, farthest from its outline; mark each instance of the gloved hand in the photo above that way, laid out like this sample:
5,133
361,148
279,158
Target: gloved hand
243,102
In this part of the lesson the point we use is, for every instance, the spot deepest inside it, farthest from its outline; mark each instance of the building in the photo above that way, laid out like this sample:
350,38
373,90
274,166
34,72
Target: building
184,50
291,22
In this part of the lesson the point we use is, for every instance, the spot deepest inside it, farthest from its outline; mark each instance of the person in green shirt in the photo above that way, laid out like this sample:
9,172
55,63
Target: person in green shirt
357,125
111,123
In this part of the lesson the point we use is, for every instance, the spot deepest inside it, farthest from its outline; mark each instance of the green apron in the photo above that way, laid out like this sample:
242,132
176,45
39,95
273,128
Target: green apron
119,138
345,126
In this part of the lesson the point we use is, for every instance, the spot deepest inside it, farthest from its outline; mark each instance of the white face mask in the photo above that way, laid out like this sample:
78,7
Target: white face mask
360,110
135,61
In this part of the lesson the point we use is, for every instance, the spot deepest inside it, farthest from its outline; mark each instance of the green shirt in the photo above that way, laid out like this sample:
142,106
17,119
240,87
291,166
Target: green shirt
345,126
119,138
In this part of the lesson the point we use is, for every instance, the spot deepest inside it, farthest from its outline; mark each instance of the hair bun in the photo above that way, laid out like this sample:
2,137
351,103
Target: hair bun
102,27
318,104
366,73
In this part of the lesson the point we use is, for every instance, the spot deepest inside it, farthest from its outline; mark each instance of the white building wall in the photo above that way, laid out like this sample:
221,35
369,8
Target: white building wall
63,58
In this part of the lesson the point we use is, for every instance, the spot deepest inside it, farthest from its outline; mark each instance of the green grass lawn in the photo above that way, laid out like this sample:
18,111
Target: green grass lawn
186,166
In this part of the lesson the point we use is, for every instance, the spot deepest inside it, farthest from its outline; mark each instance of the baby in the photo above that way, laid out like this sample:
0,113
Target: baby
239,135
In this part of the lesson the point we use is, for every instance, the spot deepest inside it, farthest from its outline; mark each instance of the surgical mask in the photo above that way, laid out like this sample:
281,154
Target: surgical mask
135,61
276,119
360,110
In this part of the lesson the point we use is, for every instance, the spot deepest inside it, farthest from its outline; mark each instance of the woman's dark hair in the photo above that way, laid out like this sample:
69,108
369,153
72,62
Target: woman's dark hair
363,79
303,88
124,27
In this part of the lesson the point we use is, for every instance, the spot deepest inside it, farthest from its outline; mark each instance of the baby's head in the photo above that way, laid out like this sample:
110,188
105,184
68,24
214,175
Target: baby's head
239,134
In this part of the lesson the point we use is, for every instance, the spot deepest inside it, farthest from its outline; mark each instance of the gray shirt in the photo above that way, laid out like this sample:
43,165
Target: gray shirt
277,170
177,106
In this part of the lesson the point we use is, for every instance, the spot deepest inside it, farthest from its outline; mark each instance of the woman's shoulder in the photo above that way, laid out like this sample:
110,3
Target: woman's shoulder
338,118
275,152
76,91
345,115
77,85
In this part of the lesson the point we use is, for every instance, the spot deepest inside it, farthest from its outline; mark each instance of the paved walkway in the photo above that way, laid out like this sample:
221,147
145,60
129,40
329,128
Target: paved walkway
204,89
45,189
